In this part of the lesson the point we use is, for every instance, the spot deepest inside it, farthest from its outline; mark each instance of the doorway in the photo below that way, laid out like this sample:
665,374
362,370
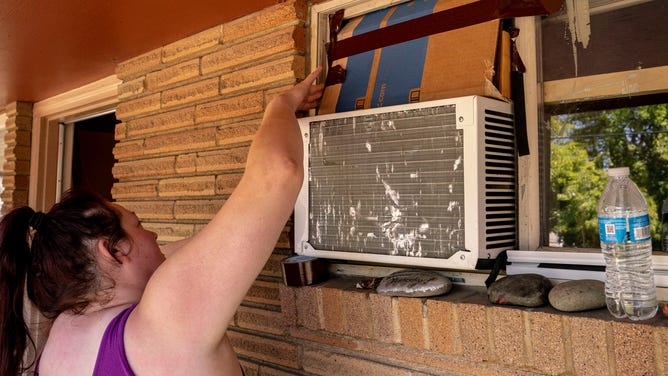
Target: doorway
89,159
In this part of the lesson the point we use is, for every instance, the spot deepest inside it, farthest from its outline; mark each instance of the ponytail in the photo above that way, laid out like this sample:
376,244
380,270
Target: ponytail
56,266
15,260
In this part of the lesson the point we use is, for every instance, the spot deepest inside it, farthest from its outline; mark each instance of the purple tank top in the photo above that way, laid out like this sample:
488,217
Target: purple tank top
111,359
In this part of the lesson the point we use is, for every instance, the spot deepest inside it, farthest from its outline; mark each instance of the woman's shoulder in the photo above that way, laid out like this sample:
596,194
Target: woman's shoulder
74,339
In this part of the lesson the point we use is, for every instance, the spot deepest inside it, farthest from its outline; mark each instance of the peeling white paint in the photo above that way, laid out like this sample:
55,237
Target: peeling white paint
578,25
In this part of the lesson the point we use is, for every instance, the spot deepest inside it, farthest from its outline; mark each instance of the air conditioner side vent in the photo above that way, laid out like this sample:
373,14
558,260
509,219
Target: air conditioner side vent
500,182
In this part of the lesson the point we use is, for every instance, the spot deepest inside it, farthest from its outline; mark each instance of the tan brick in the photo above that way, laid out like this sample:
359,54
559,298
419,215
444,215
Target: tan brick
185,140
187,186
138,65
231,134
309,307
260,320
144,168
264,75
474,331
128,149
333,317
22,136
325,338
440,325
197,209
135,189
229,108
264,292
170,232
507,326
230,159
182,118
589,346
172,74
382,324
660,340
284,241
270,371
250,369
284,41
273,266
18,108
160,210
288,12
21,167
322,362
411,322
288,305
266,349
131,88
23,122
22,152
547,343
121,131
357,313
634,349
187,94
226,183
138,106
186,163
194,44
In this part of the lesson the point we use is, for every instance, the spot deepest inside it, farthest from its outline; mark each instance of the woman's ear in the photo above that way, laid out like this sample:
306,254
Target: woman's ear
111,255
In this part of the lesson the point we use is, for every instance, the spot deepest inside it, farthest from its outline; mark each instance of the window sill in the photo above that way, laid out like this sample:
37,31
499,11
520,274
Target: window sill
571,263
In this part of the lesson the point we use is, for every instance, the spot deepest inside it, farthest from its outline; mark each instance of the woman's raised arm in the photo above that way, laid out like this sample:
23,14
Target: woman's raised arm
196,291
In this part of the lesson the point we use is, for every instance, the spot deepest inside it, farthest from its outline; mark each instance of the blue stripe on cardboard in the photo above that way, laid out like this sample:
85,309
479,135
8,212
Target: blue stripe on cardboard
401,65
358,68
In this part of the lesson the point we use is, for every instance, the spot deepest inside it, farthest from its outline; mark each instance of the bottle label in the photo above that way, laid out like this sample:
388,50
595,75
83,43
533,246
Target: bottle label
621,230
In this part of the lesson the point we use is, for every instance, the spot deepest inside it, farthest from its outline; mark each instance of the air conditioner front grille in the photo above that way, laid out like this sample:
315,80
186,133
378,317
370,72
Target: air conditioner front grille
426,184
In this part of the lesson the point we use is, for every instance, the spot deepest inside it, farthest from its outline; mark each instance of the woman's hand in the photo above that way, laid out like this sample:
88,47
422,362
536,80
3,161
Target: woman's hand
305,95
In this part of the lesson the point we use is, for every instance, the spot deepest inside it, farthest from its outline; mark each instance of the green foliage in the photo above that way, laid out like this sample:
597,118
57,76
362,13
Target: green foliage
584,145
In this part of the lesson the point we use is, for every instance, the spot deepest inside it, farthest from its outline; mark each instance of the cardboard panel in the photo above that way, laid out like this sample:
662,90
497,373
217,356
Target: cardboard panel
456,63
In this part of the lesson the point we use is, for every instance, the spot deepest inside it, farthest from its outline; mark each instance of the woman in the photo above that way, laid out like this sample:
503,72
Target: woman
120,307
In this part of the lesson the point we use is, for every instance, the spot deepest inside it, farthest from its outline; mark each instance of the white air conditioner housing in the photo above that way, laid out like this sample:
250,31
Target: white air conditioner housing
430,184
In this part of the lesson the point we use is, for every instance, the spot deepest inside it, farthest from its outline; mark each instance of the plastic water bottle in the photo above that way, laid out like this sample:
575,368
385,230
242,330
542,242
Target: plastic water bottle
664,226
623,219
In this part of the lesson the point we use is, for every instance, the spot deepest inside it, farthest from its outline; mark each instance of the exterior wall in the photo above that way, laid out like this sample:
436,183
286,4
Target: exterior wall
16,166
189,111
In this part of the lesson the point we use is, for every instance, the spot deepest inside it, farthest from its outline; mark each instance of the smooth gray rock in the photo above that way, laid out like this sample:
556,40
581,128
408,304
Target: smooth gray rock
578,295
529,290
414,283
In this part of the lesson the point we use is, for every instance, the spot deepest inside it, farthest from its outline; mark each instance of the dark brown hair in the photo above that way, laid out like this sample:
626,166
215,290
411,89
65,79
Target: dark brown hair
58,267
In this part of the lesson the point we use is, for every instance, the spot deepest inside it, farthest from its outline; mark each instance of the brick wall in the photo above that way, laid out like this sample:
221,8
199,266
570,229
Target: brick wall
16,166
189,111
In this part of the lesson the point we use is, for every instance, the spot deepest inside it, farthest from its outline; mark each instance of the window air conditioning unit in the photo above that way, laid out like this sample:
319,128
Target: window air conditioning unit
430,184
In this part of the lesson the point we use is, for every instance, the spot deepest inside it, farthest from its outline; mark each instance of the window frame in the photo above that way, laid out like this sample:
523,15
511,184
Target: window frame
537,93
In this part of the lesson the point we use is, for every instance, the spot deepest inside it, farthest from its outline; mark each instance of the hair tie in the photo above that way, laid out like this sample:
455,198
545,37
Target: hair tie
36,220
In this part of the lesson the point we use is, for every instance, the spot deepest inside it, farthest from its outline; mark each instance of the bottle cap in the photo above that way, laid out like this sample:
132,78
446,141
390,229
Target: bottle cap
618,171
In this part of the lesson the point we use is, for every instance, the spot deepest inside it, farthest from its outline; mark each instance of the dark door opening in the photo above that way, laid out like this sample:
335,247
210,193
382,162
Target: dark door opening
92,154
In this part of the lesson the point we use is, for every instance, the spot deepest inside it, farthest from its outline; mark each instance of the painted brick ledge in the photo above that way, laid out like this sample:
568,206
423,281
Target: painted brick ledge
468,330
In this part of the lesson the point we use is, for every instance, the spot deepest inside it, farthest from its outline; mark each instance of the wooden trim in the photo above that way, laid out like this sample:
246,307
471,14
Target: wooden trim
528,165
607,86
99,96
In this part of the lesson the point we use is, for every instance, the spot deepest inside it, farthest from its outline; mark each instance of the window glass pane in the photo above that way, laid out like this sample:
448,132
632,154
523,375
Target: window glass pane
583,145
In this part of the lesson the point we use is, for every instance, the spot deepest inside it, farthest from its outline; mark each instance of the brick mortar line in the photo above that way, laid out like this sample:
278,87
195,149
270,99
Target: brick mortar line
211,124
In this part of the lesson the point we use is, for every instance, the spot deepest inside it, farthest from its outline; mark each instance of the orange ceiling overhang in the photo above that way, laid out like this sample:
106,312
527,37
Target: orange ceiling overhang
50,47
